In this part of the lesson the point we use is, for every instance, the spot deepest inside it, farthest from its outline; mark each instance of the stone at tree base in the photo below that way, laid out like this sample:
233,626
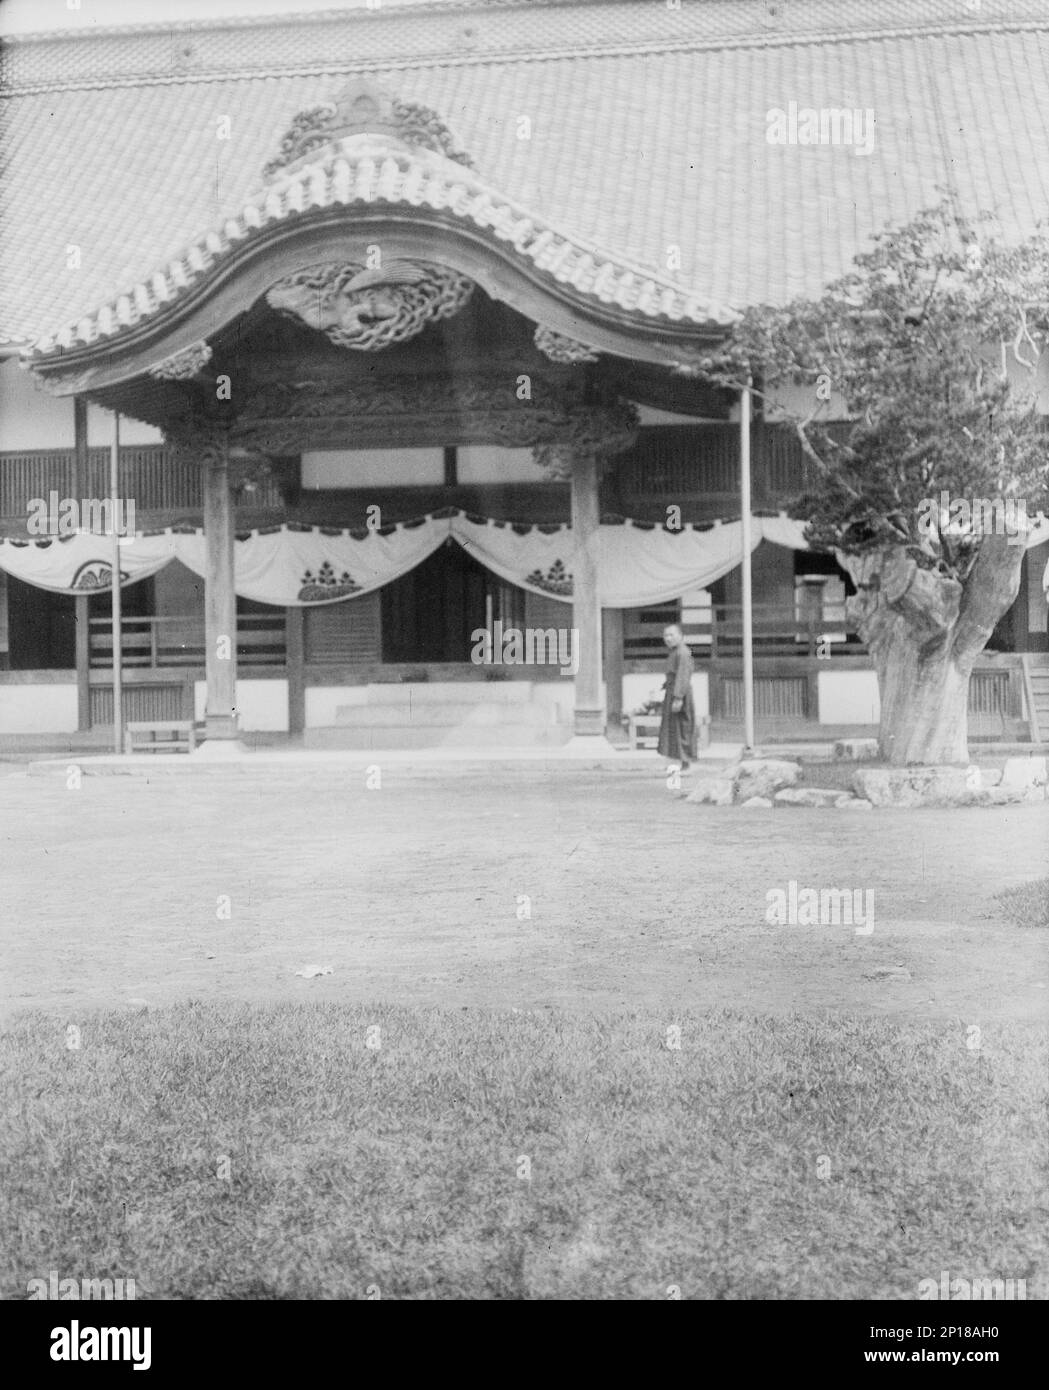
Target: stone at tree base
914,786
996,796
763,776
855,750
712,791
808,796
853,803
1023,773
990,776
754,802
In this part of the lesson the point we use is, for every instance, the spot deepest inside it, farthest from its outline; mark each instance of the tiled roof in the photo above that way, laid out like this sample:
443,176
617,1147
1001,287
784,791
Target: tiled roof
467,31
366,170
647,147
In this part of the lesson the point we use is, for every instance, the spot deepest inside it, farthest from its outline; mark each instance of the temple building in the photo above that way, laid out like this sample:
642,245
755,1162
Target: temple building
395,316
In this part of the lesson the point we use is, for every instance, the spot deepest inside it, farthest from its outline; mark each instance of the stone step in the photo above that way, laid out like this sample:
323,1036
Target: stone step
397,737
506,736
445,715
401,737
414,693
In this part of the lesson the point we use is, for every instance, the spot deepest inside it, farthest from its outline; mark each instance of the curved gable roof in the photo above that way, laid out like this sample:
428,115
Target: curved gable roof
645,150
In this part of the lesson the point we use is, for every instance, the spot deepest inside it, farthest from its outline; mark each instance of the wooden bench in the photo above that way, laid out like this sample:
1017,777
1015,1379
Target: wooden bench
160,736
643,730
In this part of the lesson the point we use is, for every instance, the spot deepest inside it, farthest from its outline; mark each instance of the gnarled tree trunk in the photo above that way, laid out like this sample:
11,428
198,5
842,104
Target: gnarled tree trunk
925,631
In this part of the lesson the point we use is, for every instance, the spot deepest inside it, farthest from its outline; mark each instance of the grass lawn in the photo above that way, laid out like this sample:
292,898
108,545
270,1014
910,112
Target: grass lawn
1027,905
485,1154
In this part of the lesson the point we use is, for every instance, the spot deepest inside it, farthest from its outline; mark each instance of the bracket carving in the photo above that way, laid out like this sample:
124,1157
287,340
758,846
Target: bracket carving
365,108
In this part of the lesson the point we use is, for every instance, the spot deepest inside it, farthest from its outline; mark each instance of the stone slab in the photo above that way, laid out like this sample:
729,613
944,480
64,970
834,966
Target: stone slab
855,750
808,796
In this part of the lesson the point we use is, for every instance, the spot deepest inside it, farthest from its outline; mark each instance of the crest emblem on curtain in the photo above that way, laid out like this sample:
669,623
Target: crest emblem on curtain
557,580
323,586
96,574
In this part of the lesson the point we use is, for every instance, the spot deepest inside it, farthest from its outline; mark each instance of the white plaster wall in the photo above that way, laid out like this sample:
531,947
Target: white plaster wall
31,419
797,398
262,706
848,697
323,700
638,687
649,415
800,400
38,709
324,468
487,463
558,697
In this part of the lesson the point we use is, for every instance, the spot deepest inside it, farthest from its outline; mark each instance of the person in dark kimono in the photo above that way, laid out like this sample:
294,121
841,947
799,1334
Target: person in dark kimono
677,729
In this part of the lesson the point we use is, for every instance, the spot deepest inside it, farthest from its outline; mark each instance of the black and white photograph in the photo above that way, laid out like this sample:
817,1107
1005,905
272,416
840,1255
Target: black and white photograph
524,671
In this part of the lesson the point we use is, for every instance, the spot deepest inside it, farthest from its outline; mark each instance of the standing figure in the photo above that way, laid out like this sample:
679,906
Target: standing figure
677,729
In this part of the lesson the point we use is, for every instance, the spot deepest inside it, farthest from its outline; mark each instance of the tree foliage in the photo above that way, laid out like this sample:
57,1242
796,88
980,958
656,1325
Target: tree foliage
932,343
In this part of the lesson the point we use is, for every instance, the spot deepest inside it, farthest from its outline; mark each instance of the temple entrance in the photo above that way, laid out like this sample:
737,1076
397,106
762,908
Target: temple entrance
429,614
41,625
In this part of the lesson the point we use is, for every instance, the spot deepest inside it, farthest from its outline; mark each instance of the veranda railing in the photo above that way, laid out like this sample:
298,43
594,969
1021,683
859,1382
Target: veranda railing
157,643
778,631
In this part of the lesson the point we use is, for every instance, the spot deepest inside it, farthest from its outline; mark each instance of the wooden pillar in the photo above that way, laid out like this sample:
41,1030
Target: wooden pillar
116,623
748,600
586,605
612,642
79,480
83,663
294,661
220,601
78,489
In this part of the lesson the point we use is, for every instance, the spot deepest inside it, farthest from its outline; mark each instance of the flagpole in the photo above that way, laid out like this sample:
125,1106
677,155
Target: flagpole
748,605
114,584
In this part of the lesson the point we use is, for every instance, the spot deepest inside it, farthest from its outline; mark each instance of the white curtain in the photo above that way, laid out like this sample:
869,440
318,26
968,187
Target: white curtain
639,565
83,562
301,569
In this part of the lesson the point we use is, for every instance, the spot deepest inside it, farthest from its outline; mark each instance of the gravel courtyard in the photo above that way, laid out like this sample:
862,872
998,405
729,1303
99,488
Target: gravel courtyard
509,888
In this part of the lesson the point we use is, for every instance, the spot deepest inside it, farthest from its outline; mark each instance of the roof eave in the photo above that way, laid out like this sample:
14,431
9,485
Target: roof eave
429,207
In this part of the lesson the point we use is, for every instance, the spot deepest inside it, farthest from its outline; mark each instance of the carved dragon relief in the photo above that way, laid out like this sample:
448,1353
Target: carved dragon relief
366,309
